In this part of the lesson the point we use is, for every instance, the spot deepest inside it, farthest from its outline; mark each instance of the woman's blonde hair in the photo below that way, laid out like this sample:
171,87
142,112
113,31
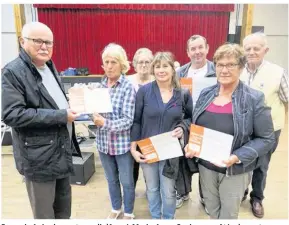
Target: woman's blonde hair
229,50
116,51
168,57
139,52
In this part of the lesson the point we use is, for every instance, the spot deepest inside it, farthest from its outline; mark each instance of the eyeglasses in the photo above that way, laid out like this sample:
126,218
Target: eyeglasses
39,42
143,62
229,66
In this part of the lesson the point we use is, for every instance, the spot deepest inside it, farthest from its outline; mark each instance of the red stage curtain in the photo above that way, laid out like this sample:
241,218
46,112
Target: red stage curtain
167,7
81,34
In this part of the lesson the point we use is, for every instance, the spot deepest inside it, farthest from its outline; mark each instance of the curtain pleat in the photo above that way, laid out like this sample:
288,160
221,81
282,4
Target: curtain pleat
81,33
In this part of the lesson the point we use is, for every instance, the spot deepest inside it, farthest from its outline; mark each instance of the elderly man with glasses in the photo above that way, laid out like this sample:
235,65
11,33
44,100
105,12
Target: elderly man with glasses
35,106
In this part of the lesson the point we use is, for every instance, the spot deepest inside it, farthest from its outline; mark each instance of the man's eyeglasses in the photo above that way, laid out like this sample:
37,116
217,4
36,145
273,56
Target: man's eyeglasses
40,42
229,66
143,62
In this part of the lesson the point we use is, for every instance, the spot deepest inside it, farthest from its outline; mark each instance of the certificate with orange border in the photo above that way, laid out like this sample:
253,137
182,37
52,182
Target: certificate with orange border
86,100
187,83
214,146
160,147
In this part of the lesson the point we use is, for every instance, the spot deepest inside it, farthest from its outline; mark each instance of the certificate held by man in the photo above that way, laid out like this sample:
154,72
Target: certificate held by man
86,100
187,83
213,146
160,147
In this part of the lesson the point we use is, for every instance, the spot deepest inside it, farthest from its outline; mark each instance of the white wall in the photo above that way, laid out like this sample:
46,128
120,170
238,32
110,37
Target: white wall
9,47
274,18
235,18
30,13
9,41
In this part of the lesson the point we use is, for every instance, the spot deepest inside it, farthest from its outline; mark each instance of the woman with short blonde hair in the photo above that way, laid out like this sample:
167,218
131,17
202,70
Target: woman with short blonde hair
113,131
117,52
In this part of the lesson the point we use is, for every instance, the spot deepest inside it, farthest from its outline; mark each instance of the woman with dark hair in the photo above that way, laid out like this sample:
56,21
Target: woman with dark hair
159,109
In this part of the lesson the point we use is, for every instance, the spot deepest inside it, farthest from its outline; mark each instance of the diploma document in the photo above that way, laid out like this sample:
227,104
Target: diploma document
214,146
87,101
160,147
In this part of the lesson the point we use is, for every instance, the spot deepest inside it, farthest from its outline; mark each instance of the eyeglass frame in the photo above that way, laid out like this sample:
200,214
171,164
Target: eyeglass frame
143,62
48,44
229,66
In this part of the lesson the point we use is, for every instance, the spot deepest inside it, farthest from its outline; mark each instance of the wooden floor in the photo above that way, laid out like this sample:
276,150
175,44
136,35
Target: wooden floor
92,200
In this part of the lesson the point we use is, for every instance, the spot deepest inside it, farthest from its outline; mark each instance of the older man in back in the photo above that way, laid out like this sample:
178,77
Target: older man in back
35,106
272,80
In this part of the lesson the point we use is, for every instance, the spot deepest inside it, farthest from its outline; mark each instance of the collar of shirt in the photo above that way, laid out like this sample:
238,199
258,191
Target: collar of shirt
119,81
256,70
200,69
40,67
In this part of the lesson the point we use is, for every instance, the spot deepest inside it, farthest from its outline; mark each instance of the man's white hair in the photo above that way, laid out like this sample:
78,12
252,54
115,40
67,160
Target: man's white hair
259,35
28,27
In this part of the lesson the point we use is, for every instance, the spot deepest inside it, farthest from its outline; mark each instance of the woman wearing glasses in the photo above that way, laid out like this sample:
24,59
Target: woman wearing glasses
233,108
141,63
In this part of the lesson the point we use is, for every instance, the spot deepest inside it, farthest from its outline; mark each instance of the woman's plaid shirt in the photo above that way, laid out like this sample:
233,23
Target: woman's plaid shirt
114,137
